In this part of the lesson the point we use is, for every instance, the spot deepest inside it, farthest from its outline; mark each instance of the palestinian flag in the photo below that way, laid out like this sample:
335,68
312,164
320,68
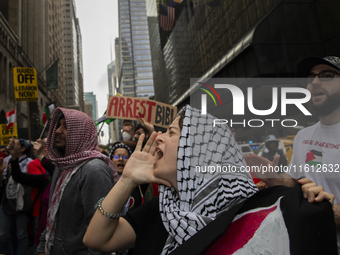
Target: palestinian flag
314,158
276,220
11,118
103,119
47,114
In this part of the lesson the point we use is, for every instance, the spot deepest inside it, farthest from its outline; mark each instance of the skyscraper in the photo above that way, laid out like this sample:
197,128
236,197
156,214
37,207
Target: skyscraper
80,65
112,79
232,38
89,96
73,61
136,77
113,90
31,36
88,108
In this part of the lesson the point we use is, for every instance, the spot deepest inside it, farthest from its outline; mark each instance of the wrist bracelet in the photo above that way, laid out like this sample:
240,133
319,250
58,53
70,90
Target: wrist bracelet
106,214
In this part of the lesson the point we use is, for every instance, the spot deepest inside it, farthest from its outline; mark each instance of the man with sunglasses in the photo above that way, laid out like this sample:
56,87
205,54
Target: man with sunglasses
316,153
317,148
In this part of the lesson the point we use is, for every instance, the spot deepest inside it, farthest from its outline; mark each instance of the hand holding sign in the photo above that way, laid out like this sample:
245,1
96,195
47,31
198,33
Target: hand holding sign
147,125
38,147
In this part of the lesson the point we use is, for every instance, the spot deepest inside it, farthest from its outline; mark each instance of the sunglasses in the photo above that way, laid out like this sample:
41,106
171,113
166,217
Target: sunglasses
116,157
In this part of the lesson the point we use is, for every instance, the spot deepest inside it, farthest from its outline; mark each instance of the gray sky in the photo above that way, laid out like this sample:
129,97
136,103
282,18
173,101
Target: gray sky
98,23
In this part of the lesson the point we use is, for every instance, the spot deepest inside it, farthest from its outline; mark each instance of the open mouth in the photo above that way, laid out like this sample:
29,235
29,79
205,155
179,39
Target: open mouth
120,165
160,154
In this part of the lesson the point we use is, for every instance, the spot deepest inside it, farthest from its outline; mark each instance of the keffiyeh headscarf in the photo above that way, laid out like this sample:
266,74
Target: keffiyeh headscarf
202,196
81,145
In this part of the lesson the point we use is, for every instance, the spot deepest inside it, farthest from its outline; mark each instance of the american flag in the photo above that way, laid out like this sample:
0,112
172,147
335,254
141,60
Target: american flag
167,17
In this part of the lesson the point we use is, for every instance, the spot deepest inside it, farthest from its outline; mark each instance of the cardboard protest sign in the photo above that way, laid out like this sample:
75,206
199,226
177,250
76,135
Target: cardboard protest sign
133,108
25,84
5,135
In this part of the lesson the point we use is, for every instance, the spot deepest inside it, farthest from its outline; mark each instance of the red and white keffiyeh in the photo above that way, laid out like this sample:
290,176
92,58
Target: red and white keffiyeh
81,145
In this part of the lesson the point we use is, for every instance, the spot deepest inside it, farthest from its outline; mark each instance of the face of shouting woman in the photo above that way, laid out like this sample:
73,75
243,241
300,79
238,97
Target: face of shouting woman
167,148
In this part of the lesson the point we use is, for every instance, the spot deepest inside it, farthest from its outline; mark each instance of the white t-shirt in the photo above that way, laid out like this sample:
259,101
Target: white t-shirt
316,155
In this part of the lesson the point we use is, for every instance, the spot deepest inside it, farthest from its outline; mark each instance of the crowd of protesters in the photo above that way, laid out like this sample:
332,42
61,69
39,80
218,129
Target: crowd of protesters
143,197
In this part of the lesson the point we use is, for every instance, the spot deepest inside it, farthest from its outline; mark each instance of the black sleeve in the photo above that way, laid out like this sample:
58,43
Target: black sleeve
48,165
135,217
36,181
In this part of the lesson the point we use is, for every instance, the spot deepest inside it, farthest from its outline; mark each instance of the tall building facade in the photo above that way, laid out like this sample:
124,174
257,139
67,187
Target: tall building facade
113,90
117,60
88,108
136,77
80,65
31,36
72,57
232,38
115,86
112,78
89,96
55,49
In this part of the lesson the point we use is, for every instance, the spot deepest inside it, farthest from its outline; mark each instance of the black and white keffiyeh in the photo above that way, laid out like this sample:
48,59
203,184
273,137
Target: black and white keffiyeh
202,196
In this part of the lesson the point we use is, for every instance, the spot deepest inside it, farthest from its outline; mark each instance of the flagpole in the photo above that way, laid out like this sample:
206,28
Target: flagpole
100,129
13,128
50,64
101,126
28,121
43,130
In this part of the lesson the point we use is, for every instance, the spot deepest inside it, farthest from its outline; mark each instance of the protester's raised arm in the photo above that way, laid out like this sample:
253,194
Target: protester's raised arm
38,148
33,180
147,125
48,165
106,234
113,234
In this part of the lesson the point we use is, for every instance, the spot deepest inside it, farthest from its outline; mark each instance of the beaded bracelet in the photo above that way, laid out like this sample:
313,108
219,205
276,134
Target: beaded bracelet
106,214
